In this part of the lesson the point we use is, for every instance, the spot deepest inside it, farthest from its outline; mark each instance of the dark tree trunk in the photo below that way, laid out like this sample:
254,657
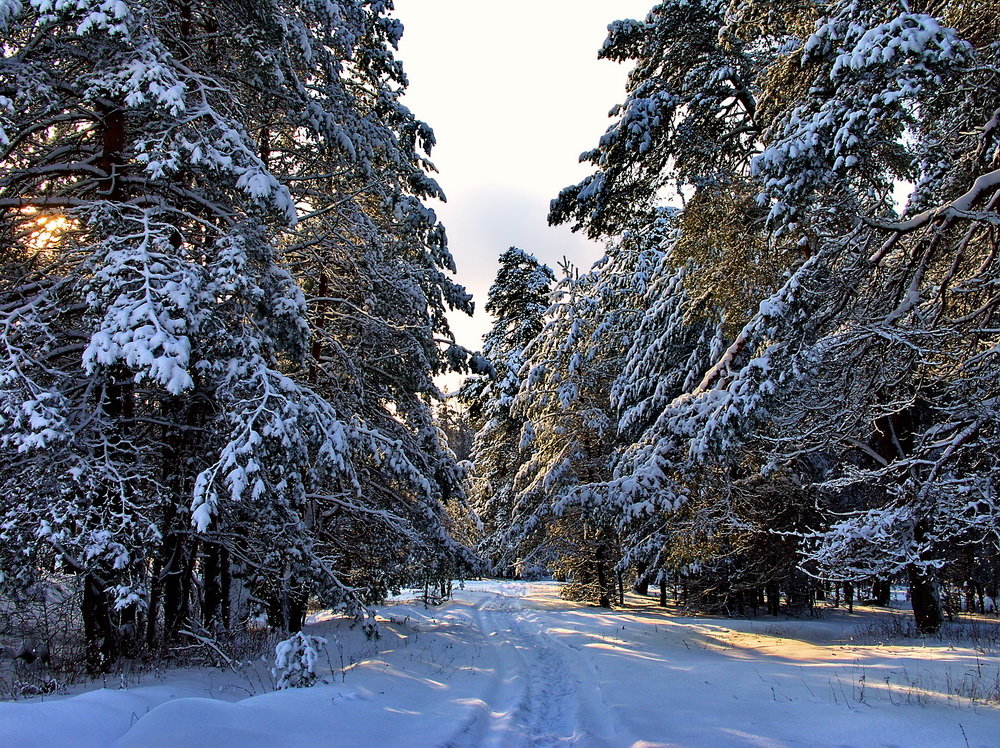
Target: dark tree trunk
103,637
215,613
641,586
177,588
663,590
287,608
98,629
896,440
187,21
319,324
773,593
153,608
297,607
926,600
882,592
225,604
112,157
925,596
100,633
176,555
603,583
849,596
171,585
277,611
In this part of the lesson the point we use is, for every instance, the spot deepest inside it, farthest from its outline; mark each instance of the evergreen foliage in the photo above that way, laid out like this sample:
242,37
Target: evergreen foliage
222,299
517,300
810,387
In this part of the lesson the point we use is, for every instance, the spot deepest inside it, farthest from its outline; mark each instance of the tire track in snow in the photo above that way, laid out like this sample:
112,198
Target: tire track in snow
542,693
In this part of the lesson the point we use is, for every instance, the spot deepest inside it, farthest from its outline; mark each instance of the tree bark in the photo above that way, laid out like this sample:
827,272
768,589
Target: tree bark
925,595
213,614
112,157
926,600
882,592
177,587
153,606
773,593
603,583
641,586
98,629
297,607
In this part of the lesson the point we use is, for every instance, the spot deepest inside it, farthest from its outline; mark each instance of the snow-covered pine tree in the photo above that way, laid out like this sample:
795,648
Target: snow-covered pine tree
144,300
689,122
160,430
517,301
865,337
910,335
563,405
373,259
688,119
560,511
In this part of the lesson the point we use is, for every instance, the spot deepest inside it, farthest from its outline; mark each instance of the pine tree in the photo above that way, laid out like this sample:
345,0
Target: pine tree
571,431
563,404
845,338
175,174
688,119
517,300
906,342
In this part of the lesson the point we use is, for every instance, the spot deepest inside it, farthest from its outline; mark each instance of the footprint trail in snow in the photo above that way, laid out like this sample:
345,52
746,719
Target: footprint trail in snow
543,692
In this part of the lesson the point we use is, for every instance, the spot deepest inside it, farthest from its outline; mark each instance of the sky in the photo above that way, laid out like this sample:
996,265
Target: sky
514,92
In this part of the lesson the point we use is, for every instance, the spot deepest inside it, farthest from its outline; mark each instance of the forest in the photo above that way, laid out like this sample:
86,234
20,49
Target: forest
223,322
781,384
791,379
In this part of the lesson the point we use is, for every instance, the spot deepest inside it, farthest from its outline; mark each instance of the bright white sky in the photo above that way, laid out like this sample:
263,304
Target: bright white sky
514,92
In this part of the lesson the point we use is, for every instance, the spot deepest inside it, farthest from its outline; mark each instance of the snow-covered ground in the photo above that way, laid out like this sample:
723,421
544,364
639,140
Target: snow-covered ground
510,664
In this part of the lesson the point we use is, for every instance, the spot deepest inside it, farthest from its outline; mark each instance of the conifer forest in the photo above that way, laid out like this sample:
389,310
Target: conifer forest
227,356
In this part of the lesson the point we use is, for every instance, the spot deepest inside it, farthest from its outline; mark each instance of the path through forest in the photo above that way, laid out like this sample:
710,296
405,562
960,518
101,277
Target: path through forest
543,691
510,664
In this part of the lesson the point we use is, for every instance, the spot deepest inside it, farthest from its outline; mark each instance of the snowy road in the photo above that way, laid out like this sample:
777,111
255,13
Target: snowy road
543,691
510,665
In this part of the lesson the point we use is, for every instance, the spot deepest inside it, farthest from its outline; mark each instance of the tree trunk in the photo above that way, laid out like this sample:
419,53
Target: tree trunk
882,592
926,600
603,583
176,588
925,595
773,593
176,554
98,629
663,590
213,617
112,158
298,604
153,608
225,604
641,586
287,607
